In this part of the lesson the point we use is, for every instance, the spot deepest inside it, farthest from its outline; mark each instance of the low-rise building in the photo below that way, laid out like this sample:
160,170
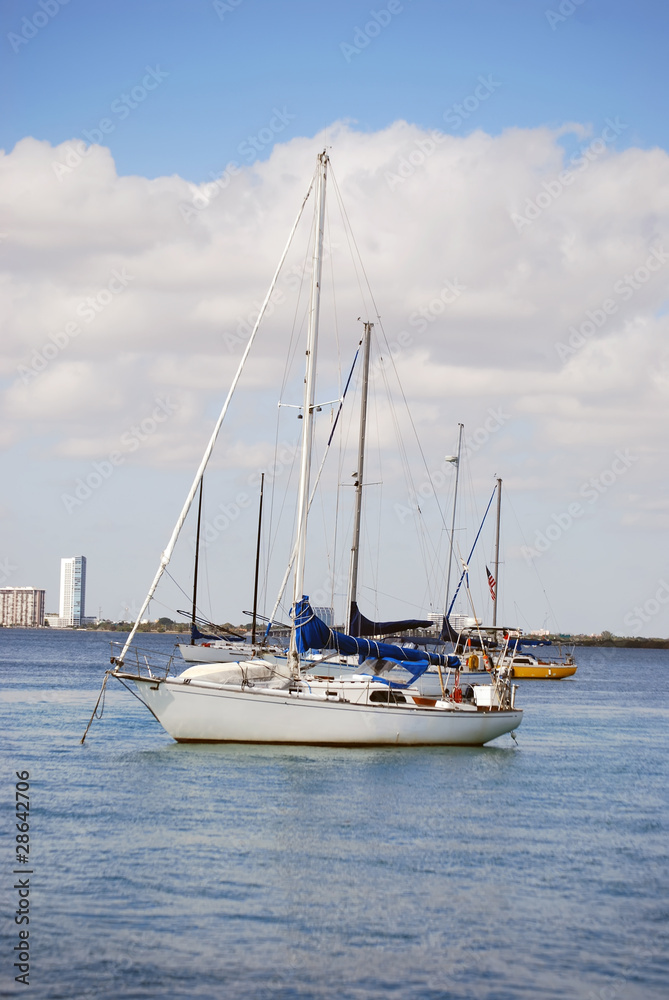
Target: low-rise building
23,606
55,621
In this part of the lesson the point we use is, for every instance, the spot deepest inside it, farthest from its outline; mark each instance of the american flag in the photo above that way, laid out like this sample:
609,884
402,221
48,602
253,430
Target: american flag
491,583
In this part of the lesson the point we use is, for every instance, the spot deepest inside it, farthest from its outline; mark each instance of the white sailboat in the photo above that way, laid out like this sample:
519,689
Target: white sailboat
325,664
272,699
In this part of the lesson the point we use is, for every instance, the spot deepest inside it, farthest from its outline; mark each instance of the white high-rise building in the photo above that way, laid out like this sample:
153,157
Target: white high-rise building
72,591
460,621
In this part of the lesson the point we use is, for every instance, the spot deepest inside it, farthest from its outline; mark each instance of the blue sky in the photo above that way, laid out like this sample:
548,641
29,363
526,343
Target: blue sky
177,90
227,71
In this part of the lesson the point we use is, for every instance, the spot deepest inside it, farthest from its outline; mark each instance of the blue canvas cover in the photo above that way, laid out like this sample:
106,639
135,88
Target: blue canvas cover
522,641
313,633
196,634
219,633
363,626
464,641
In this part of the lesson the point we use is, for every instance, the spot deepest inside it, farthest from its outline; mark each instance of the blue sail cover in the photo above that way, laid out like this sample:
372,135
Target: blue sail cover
363,626
228,637
448,634
522,641
196,634
220,631
313,633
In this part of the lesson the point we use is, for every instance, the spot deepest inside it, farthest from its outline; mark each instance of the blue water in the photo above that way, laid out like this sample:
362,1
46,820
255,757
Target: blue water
186,871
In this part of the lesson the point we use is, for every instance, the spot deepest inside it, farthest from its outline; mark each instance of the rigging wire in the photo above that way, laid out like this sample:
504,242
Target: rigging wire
376,563
178,586
378,317
428,548
334,293
272,537
205,558
470,505
350,238
424,539
176,531
332,557
393,597
539,580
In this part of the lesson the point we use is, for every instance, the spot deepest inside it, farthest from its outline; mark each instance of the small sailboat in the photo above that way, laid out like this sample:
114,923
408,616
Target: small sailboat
507,648
271,698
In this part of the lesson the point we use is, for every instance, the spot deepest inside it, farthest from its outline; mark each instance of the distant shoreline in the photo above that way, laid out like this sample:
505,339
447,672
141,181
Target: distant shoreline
91,631
616,642
621,643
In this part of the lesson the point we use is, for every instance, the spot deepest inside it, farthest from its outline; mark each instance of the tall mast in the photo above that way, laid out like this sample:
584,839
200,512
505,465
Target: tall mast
195,568
355,547
499,512
308,406
255,582
167,554
455,501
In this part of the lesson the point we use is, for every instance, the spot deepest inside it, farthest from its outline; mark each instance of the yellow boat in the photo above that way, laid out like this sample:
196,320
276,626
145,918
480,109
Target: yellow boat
496,647
526,667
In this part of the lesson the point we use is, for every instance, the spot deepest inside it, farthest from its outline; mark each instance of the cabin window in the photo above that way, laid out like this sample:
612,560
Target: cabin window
388,697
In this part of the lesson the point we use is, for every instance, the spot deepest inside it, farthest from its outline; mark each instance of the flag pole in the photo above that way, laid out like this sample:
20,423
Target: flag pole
499,512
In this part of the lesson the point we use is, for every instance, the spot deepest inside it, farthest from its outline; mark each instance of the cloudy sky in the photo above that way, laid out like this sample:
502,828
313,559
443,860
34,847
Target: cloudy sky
504,169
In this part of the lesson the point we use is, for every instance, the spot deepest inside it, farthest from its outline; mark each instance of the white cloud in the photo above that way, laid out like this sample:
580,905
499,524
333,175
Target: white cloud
191,289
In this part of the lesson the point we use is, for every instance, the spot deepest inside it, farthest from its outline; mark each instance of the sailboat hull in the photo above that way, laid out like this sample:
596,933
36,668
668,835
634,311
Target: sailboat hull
220,652
206,713
543,671
529,668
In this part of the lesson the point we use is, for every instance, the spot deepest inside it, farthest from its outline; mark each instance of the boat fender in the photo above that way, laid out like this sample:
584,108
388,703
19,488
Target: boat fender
457,694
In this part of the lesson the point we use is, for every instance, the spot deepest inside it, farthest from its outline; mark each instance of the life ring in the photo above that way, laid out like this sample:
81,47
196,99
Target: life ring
473,662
